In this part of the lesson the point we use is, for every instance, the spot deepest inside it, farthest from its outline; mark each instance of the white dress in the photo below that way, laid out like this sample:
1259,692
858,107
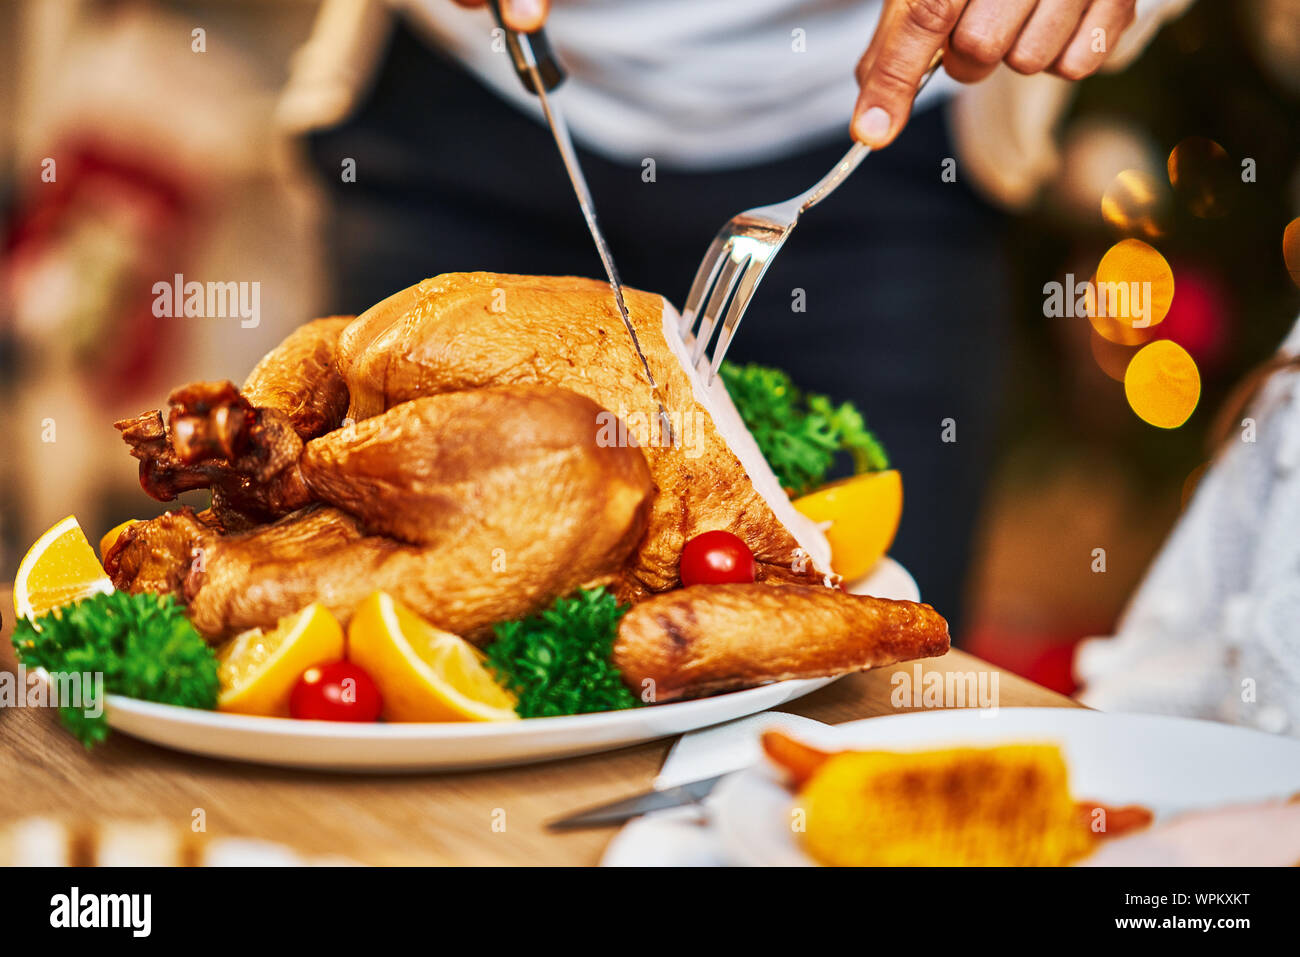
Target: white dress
1214,630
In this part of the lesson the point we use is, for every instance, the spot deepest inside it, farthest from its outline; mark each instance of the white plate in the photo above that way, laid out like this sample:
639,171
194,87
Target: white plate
1167,764
334,746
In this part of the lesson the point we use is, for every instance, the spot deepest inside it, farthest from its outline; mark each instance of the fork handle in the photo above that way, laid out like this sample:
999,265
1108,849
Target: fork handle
856,154
529,50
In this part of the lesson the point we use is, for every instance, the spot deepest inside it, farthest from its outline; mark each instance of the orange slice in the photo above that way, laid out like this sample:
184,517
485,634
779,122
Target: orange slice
423,673
863,512
257,669
58,569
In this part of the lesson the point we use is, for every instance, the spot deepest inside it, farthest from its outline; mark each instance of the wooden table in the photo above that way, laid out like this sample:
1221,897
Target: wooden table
379,819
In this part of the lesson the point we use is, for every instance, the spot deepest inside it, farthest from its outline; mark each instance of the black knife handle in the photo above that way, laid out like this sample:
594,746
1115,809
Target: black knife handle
548,67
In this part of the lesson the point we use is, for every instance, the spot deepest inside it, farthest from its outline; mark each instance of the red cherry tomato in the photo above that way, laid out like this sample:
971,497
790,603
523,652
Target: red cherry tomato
715,558
337,691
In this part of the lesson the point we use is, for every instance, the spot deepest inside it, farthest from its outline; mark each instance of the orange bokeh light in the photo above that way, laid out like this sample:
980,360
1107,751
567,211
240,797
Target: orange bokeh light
1136,204
1202,173
1111,357
1291,249
1130,293
1162,384
1117,331
1191,483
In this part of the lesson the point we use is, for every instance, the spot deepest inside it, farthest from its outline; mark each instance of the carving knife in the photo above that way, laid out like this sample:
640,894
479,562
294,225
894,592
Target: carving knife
540,73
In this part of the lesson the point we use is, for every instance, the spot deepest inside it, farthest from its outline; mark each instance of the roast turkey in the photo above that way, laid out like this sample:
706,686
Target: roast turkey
478,445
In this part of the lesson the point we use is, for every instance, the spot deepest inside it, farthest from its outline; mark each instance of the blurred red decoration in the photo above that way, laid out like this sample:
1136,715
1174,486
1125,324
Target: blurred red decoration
1199,318
81,257
1054,668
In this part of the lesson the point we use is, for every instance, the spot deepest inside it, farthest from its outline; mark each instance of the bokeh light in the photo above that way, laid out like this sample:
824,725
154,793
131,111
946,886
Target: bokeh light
1201,171
1111,357
1117,331
1097,147
1162,384
1291,249
1191,483
1131,292
1136,204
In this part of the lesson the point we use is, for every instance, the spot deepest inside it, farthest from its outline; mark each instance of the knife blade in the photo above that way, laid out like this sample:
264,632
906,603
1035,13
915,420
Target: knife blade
539,72
624,809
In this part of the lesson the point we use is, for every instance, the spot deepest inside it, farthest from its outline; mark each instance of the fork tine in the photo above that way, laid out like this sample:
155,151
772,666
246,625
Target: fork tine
747,242
704,276
731,267
739,303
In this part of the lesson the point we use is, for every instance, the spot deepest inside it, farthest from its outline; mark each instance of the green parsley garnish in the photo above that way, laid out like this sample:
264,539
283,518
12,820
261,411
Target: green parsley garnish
143,645
799,434
558,661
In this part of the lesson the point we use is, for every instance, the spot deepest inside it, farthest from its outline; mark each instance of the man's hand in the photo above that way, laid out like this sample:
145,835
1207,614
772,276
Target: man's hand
522,16
1069,38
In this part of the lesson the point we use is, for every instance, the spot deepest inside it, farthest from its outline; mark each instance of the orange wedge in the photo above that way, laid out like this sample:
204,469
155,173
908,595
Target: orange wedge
423,673
257,669
59,569
863,514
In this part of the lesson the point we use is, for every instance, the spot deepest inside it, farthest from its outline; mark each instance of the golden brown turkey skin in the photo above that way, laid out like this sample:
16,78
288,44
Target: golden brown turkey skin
254,578
471,508
156,555
300,378
470,330
498,466
708,639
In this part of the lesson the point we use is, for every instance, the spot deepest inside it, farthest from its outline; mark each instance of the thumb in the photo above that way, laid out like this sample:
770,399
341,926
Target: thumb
904,45
525,16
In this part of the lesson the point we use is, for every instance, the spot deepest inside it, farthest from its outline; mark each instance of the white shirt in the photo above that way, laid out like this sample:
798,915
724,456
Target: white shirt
697,83
700,83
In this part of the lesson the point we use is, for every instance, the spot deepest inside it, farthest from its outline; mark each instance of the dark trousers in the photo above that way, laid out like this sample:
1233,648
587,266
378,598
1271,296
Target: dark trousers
902,275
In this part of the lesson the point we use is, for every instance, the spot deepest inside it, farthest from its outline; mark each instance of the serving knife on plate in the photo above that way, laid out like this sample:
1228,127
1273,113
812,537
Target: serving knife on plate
617,812
541,73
